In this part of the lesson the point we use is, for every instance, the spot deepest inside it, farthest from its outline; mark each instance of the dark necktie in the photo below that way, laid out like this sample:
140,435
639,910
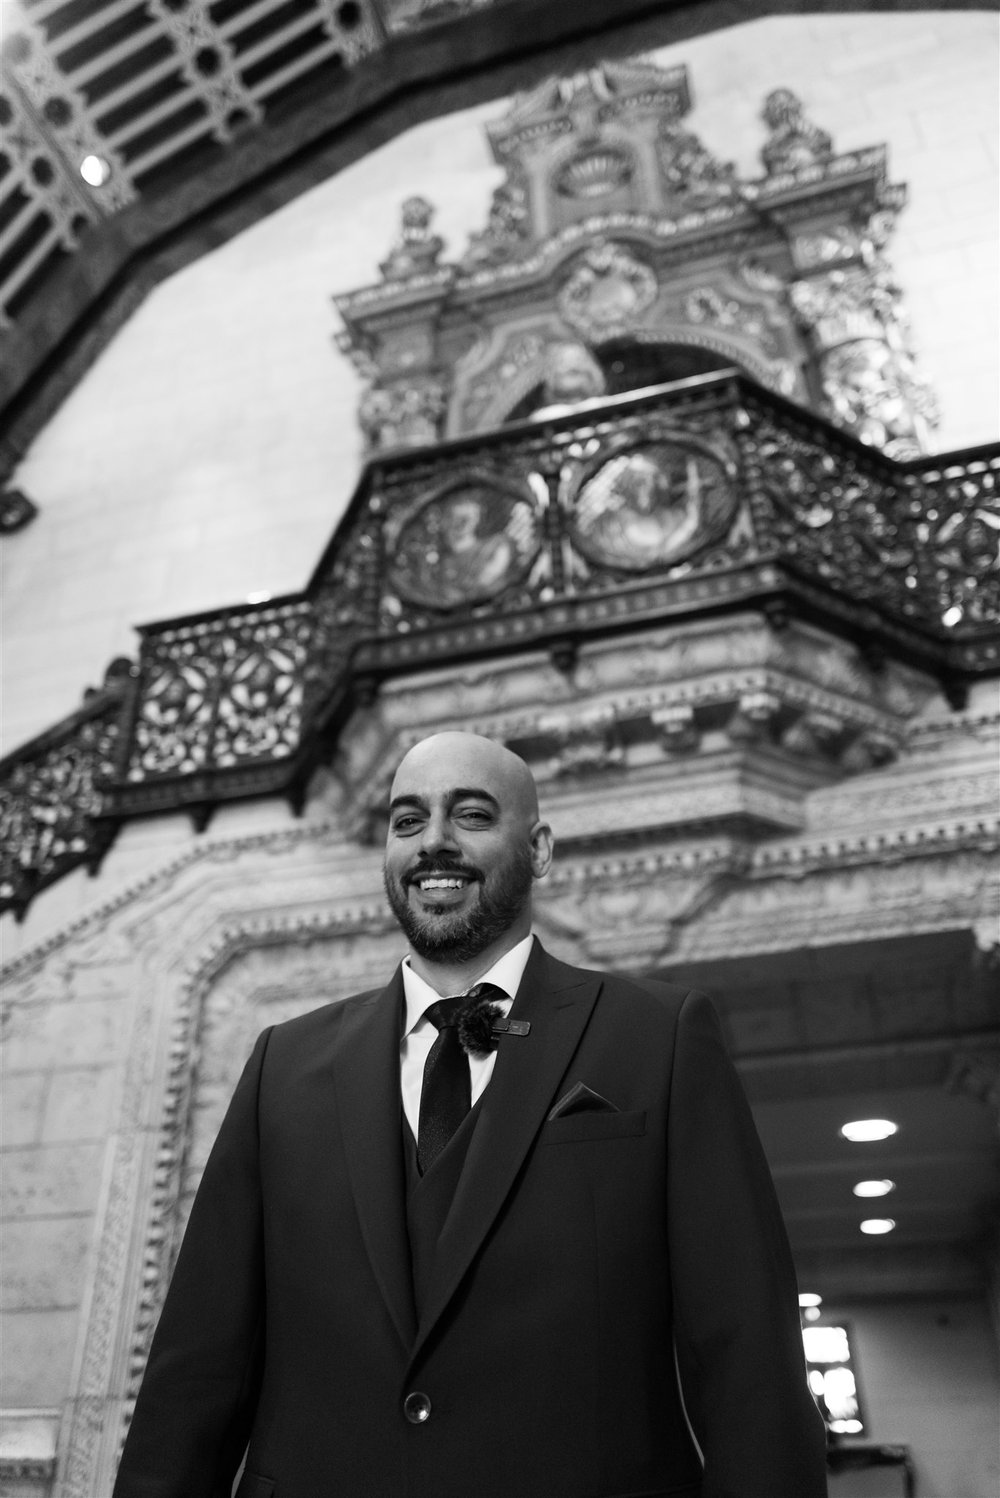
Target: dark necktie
446,1094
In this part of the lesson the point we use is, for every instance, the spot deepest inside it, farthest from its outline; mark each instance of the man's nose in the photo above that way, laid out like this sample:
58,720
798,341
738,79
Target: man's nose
438,835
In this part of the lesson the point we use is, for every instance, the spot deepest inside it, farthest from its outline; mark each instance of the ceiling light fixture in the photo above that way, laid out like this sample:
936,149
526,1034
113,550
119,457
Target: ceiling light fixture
95,170
810,1298
863,1130
876,1225
874,1188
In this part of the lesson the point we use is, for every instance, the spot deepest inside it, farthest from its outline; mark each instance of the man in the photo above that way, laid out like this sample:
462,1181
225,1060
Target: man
388,1302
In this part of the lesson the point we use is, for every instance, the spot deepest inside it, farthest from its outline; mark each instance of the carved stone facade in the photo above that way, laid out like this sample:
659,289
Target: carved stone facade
615,227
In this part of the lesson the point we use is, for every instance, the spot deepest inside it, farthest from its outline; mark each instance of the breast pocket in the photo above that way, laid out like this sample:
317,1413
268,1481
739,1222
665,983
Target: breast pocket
576,1127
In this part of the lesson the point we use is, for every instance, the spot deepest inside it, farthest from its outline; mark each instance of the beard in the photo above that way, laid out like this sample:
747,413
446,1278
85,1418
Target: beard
460,936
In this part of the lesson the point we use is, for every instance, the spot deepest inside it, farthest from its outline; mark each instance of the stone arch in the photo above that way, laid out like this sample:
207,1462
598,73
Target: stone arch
653,356
200,955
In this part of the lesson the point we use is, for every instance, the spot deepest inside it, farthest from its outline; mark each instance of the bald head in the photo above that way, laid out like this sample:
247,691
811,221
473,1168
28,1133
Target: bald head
469,759
465,843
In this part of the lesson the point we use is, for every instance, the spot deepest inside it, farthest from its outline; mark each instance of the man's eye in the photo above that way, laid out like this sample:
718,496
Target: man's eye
474,814
406,824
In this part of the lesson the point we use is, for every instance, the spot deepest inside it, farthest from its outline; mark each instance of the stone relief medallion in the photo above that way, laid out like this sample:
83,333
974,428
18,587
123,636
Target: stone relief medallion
607,292
465,543
653,503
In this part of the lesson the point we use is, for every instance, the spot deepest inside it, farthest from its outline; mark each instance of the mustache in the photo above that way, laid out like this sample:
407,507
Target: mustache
442,864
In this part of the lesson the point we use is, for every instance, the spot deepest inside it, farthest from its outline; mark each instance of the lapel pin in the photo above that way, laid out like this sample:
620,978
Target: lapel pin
511,1027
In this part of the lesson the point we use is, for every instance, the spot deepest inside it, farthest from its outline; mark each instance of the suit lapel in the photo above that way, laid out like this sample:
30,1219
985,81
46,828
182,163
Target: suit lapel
557,1000
367,1077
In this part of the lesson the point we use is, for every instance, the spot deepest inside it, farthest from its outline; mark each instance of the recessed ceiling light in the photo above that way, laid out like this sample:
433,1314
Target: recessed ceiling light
95,170
874,1188
826,1344
811,1313
952,616
860,1130
877,1225
810,1298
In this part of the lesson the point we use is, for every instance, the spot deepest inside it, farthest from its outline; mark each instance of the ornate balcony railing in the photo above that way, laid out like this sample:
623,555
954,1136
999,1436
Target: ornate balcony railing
51,795
705,496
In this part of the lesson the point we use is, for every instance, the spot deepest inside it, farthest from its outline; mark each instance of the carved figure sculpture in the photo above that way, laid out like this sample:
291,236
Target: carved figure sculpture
416,250
794,141
867,391
572,375
506,227
691,172
868,373
391,416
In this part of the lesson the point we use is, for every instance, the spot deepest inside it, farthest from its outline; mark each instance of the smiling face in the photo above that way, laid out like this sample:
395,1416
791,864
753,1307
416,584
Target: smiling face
465,843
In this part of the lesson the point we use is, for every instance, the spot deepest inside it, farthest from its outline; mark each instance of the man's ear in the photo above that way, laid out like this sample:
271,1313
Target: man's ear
542,846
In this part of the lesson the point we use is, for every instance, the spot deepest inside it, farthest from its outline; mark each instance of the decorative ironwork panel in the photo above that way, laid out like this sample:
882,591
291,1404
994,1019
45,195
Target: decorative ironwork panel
50,793
954,508
834,516
344,604
709,475
221,692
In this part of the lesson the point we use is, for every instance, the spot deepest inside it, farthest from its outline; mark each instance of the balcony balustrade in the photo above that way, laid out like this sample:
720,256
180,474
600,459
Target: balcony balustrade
706,496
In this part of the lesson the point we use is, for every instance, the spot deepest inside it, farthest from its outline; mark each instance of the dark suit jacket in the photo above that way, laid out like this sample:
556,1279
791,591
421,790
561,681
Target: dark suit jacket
576,1255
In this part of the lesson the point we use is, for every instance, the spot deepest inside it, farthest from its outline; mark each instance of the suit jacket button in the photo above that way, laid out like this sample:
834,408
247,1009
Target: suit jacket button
417,1408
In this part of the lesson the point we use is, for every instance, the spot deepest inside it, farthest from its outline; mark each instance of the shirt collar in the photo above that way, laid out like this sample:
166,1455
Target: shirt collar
506,973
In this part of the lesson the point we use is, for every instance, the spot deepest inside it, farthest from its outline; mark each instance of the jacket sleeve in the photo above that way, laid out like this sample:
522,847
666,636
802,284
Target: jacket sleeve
196,1403
738,1338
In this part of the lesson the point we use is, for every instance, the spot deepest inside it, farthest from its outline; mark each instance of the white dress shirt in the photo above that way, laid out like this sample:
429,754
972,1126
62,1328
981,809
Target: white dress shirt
419,1033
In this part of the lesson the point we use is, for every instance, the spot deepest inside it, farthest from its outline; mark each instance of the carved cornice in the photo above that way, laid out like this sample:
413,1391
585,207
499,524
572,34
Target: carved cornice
869,850
162,876
782,859
27,1468
28,1439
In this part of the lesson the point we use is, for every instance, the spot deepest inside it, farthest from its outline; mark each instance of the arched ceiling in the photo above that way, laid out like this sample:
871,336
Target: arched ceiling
193,120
